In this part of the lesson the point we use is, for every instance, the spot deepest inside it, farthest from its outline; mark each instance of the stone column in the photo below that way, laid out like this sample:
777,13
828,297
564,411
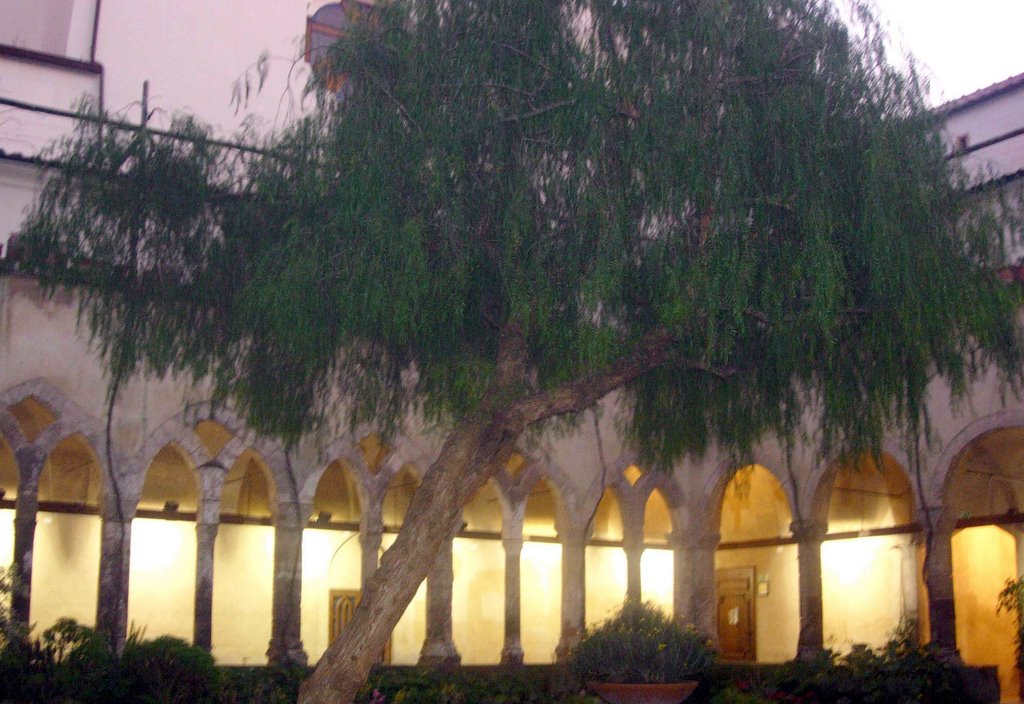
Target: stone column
439,648
512,650
909,611
696,592
211,481
371,532
115,559
574,574
202,624
285,630
26,508
682,578
809,536
634,555
939,580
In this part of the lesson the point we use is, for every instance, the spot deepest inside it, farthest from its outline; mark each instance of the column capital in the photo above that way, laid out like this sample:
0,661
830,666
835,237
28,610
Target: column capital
292,514
512,544
572,536
807,531
633,544
687,540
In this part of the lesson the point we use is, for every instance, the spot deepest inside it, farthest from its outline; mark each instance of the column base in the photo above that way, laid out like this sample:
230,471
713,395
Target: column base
565,646
289,655
512,655
809,653
439,654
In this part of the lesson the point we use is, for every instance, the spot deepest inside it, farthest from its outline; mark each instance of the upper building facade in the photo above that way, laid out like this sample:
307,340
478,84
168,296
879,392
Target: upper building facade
215,535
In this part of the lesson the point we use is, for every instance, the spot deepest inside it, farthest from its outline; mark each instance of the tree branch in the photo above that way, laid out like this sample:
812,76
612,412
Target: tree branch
572,397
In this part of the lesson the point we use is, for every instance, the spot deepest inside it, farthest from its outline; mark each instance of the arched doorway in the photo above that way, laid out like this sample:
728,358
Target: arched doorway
605,560
9,487
656,565
869,559
162,573
986,492
756,570
67,539
541,574
244,564
478,590
331,557
411,630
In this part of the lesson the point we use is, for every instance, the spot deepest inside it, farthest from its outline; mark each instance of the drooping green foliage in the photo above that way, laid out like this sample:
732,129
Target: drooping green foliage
746,176
641,644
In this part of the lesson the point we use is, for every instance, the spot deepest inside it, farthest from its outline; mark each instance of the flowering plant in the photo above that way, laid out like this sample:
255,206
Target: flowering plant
640,644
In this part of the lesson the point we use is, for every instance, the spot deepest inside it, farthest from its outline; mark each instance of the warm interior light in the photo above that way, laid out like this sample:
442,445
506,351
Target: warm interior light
156,543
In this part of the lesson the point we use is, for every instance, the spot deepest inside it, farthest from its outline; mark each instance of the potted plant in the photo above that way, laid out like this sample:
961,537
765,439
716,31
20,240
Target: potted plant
641,656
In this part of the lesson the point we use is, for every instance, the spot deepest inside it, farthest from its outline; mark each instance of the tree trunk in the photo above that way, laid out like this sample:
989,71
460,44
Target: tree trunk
471,454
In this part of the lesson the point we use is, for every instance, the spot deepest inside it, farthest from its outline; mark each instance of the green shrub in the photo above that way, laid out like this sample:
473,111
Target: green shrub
69,662
261,685
168,670
641,644
525,685
900,672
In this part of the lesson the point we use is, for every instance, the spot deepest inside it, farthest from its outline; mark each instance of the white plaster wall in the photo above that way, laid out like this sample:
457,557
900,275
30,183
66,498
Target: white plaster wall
61,27
19,186
27,132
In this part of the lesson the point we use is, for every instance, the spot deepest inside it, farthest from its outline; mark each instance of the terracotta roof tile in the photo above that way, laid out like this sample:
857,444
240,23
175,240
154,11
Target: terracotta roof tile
982,94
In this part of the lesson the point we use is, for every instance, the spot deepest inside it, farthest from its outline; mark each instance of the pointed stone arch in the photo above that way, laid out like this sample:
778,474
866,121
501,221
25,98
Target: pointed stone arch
486,509
249,489
339,495
170,481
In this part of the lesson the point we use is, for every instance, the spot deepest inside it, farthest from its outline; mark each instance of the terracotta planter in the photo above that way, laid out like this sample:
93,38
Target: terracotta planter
672,693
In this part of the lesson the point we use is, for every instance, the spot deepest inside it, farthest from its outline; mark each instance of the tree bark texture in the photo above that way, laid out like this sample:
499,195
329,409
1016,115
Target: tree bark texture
470,456
472,453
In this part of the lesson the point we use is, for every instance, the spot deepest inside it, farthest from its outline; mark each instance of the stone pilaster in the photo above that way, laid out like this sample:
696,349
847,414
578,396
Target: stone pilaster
512,649
694,593
939,580
115,558
909,610
285,629
439,648
809,536
573,590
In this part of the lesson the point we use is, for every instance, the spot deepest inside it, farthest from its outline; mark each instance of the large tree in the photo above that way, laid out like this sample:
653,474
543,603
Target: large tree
735,215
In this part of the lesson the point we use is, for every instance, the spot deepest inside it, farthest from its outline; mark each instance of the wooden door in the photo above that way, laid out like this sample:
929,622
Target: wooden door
343,605
736,627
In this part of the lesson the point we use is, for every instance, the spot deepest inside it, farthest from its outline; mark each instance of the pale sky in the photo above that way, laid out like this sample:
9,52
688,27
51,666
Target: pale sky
962,45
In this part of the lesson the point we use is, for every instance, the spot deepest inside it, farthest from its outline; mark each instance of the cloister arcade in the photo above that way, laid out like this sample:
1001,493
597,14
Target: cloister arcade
218,537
